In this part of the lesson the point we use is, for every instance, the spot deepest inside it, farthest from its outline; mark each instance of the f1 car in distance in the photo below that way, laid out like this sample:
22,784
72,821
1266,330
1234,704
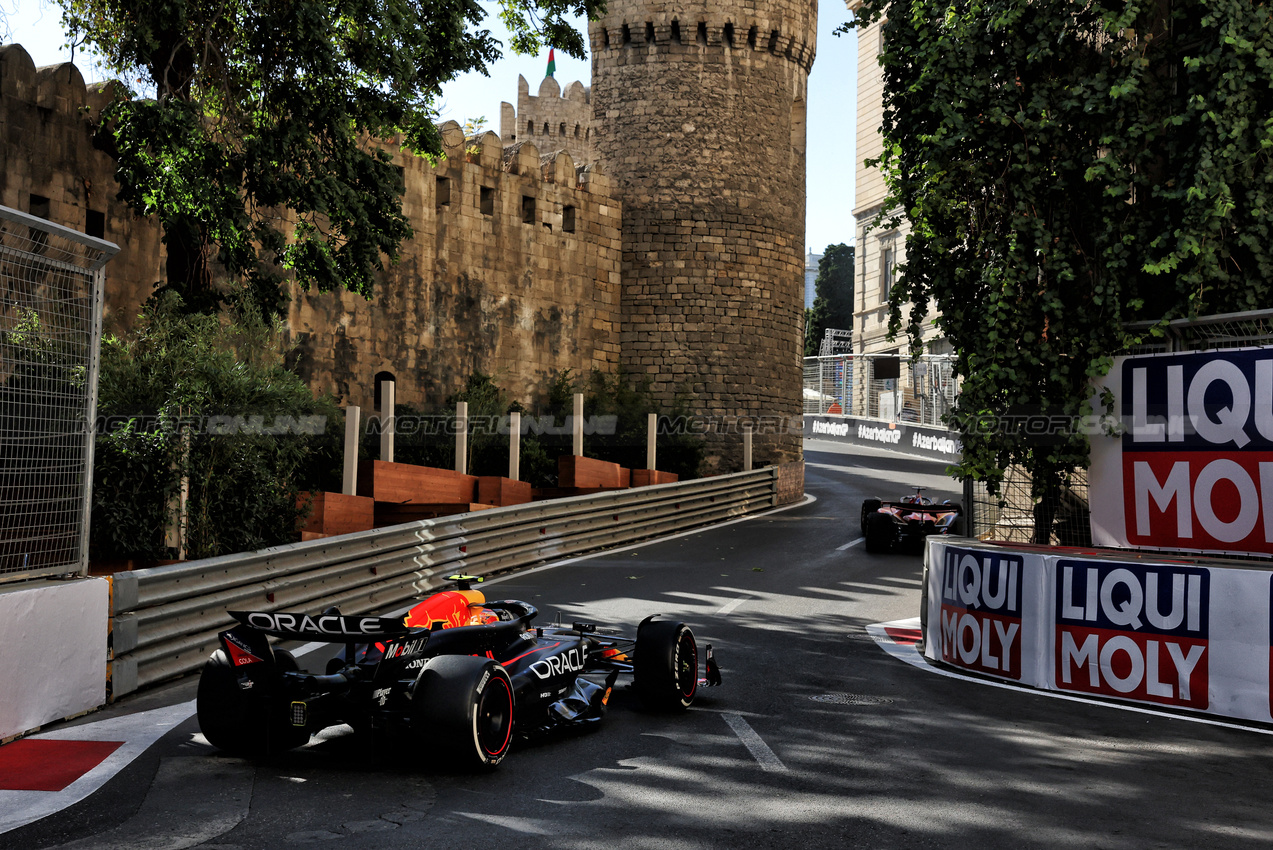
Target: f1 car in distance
903,525
458,674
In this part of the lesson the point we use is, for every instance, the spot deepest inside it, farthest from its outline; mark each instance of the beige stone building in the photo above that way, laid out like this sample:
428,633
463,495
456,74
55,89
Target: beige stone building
880,250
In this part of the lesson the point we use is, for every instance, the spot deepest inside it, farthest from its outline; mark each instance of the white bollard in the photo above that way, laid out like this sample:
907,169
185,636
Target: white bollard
578,425
514,445
353,418
386,421
462,437
747,447
651,427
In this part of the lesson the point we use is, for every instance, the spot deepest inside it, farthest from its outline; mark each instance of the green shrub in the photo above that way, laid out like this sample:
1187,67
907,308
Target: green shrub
254,435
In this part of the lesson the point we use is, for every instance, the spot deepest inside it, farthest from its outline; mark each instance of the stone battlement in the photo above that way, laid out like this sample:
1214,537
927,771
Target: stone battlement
553,119
711,32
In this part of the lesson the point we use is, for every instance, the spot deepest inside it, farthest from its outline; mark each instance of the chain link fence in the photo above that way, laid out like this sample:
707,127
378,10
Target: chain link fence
881,386
50,334
1013,515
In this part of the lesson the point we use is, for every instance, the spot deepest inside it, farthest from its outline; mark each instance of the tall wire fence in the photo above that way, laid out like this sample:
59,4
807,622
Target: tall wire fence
881,386
1014,514
50,334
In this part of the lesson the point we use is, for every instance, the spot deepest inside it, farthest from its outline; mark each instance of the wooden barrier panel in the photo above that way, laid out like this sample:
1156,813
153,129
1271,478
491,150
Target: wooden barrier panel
403,483
494,490
646,477
587,473
335,513
395,513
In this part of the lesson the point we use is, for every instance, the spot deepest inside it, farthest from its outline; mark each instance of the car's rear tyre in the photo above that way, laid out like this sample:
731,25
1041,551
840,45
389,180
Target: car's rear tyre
462,710
879,533
250,723
665,669
869,507
957,527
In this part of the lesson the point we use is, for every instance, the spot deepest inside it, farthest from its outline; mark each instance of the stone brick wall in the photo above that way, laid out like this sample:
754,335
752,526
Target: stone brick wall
513,269
553,119
700,120
520,284
51,169
790,482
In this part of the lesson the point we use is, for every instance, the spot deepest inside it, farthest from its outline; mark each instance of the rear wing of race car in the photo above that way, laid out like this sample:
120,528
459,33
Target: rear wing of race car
332,628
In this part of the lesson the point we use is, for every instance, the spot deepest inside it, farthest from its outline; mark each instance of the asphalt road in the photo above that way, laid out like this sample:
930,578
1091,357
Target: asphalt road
816,739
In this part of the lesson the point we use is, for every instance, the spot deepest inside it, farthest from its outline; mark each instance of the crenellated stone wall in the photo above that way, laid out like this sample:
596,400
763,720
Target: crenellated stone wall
553,119
513,269
49,166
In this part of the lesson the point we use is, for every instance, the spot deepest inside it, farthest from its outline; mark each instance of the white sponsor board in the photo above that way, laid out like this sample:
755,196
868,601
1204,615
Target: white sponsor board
1186,635
1192,466
53,664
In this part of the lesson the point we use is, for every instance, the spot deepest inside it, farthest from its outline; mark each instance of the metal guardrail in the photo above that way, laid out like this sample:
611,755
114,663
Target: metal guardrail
165,620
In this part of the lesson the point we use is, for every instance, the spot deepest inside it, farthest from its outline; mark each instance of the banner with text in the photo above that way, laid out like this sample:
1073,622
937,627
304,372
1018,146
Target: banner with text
1187,635
917,440
1192,466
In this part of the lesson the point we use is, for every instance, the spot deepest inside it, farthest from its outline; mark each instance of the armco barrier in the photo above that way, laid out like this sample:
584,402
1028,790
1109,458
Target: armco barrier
165,620
1191,634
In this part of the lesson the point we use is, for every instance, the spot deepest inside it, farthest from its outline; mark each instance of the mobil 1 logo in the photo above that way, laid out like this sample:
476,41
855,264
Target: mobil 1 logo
981,611
1136,631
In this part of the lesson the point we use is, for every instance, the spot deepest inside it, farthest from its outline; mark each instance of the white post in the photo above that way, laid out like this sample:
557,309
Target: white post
353,417
651,426
386,421
747,447
462,437
514,445
578,423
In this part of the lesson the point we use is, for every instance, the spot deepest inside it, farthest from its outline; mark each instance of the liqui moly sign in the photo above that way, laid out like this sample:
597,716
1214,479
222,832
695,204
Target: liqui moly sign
1193,467
1135,631
980,613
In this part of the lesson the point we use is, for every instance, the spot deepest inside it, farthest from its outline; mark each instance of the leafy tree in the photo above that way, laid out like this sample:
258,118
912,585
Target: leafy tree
1066,169
833,301
257,143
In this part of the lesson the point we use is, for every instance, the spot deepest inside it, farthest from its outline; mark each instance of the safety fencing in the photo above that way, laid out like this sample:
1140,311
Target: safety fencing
50,330
165,620
1177,632
881,386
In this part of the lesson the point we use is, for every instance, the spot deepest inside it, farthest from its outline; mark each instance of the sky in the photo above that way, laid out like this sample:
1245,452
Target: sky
36,25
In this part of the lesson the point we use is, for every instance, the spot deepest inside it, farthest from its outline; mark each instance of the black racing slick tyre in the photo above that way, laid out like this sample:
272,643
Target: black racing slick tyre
879,533
665,670
462,711
250,722
869,507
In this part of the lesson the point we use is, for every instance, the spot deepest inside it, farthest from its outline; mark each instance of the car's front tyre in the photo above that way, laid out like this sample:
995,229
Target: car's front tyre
665,669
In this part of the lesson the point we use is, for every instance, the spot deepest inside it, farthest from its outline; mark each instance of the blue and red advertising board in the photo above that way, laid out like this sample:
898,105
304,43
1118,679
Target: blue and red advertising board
1192,469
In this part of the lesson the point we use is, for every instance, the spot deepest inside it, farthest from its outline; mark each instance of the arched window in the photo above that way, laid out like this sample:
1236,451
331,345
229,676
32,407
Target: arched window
381,377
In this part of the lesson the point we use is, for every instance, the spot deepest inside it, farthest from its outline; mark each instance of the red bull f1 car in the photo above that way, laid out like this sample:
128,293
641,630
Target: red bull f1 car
902,525
458,674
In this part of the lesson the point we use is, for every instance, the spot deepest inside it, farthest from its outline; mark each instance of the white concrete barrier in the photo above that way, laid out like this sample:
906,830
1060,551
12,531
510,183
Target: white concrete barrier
1189,633
52,651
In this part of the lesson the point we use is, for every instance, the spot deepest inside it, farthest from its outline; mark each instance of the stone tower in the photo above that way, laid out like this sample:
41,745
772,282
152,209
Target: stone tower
699,118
